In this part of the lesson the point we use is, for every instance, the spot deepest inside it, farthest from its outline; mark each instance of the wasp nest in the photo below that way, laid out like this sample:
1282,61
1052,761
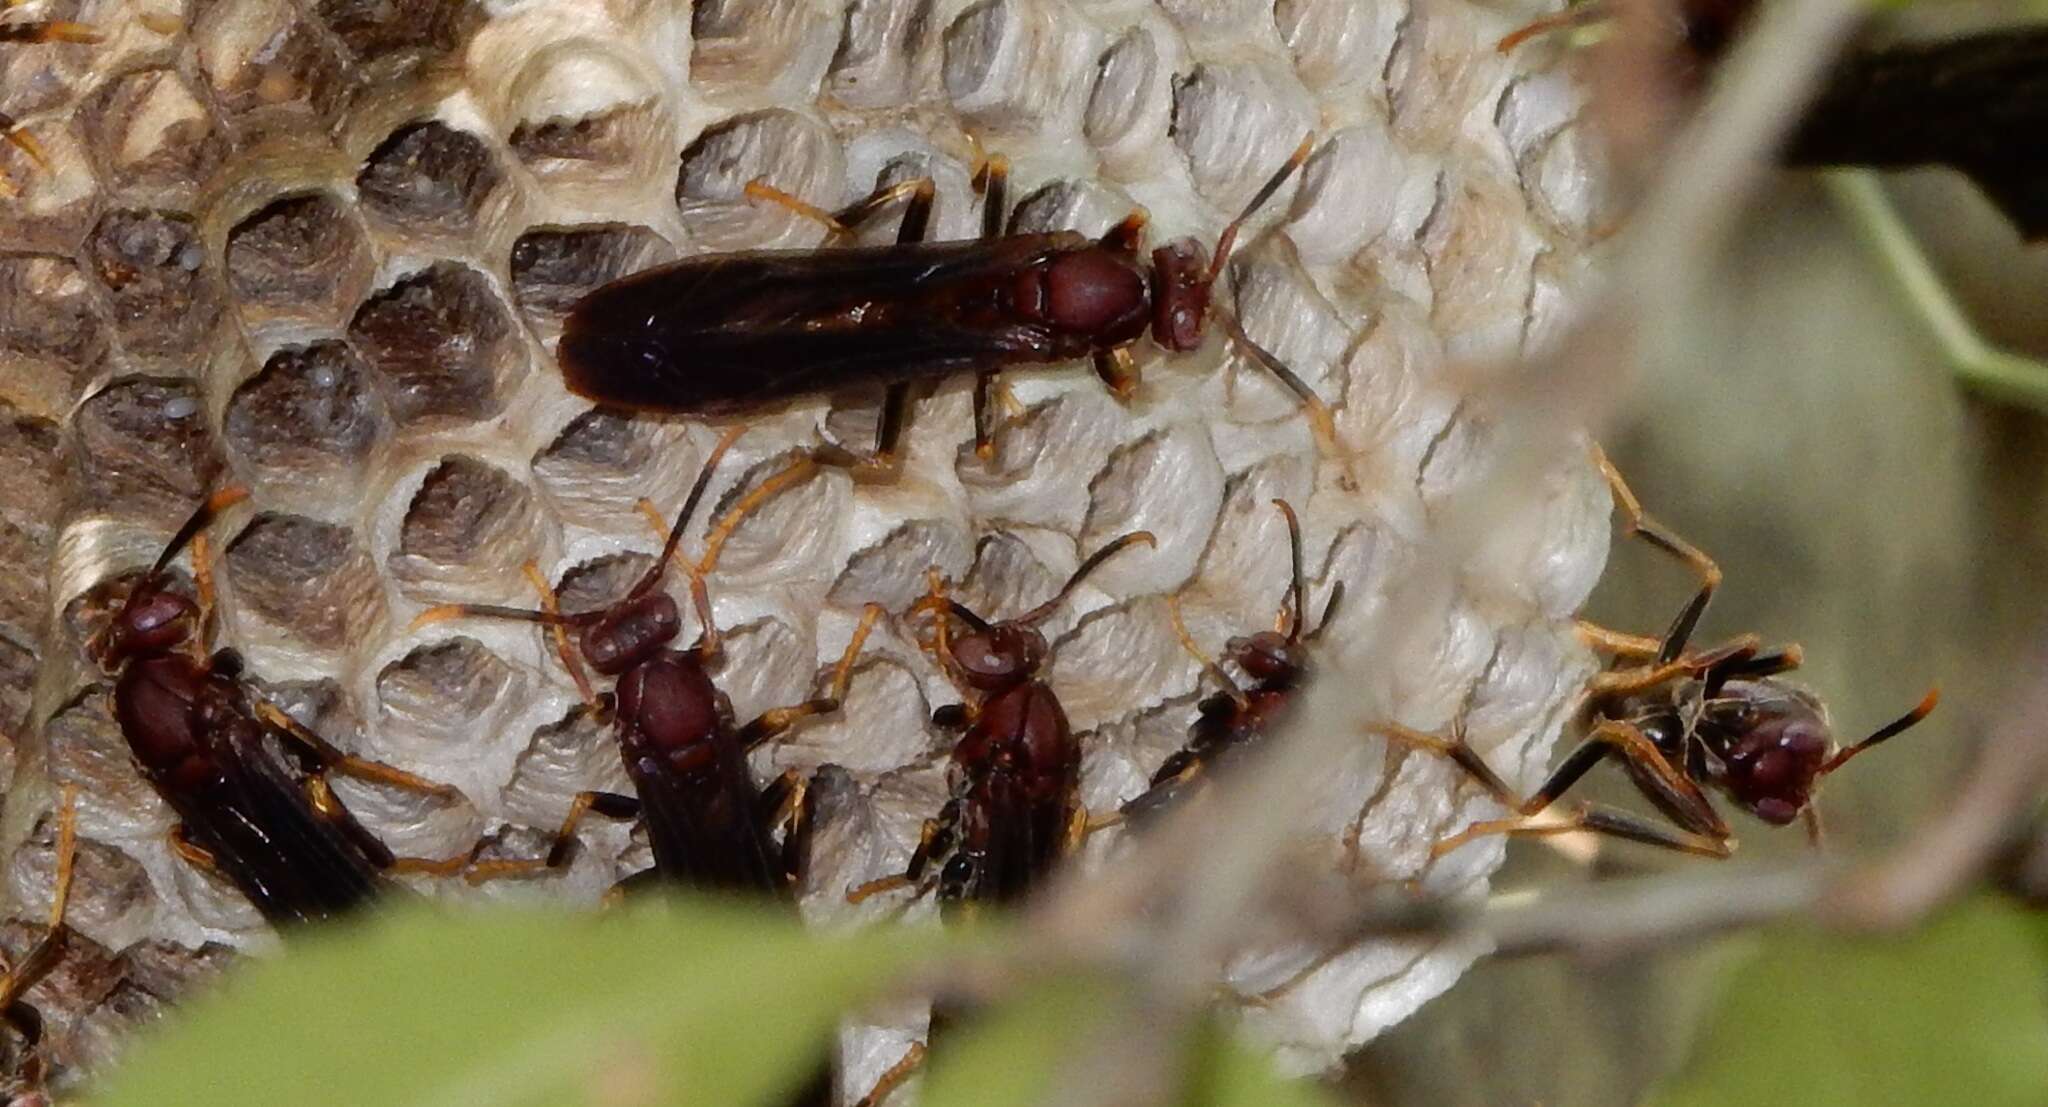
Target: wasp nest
323,248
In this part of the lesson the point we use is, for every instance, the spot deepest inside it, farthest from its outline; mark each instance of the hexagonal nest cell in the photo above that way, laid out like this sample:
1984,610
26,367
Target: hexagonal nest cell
322,248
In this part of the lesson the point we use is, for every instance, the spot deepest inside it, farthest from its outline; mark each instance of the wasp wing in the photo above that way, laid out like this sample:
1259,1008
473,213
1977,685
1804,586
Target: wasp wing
726,332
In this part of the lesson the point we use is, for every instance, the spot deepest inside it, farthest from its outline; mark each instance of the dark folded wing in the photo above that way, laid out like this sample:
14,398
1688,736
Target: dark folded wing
293,866
706,831
730,331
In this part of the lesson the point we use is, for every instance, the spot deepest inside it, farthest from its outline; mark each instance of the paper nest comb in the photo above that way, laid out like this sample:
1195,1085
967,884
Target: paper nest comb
323,248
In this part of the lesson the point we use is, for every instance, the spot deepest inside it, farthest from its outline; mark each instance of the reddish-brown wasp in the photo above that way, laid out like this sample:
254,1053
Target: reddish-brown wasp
1681,724
711,827
725,333
1015,775
1237,718
248,783
1016,769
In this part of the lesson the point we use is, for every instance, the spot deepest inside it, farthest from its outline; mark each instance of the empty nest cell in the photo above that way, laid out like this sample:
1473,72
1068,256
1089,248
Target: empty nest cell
302,257
439,342
308,576
270,68
438,691
466,515
380,30
149,130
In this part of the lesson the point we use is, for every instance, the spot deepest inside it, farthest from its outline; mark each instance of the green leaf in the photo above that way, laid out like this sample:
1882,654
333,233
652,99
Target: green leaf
1017,1054
690,1002
1227,1071
1011,1054
1955,1013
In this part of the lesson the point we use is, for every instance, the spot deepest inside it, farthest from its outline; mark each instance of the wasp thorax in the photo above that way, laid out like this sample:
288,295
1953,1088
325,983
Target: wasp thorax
1180,294
1098,293
631,632
1000,656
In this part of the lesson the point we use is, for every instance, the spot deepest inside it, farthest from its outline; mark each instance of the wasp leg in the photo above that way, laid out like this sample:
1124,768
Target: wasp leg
992,180
330,759
1638,524
1736,652
917,212
788,803
920,858
191,852
894,1078
1128,233
48,30
327,806
1699,828
43,955
796,834
1119,372
883,464
1597,820
1635,647
444,866
776,721
611,805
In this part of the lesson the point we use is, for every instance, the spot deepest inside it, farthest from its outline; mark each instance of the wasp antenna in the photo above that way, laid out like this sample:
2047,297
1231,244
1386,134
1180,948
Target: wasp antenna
1297,587
441,613
203,514
947,606
1904,722
1320,419
28,144
1329,612
1208,664
797,472
555,624
1226,241
675,533
1094,562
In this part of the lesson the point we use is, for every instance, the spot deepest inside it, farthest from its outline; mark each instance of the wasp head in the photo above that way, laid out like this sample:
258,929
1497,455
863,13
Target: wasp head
1776,746
999,657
